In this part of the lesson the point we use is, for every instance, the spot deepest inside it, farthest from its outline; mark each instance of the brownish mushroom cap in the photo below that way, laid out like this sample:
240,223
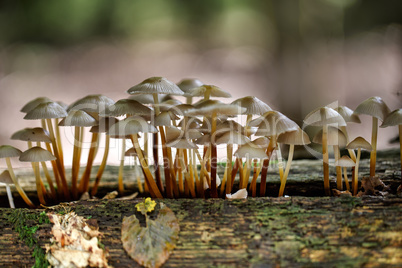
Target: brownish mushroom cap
36,154
345,161
131,152
6,178
374,107
253,105
393,119
359,142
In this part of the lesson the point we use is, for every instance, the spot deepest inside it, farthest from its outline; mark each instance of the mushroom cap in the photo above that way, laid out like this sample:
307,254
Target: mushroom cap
46,110
36,154
9,151
324,116
273,123
214,91
345,161
78,118
91,103
361,143
129,126
253,105
33,103
240,194
187,84
164,119
155,85
261,142
62,104
167,105
6,178
192,123
208,107
374,107
147,98
125,107
181,109
335,137
32,134
232,137
348,114
296,137
250,151
103,125
393,119
181,144
131,152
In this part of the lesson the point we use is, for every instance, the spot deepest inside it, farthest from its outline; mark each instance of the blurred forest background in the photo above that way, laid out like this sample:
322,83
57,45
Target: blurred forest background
296,55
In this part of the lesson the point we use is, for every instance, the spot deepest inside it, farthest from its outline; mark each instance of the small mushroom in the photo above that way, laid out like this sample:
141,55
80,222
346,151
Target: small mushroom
188,84
345,162
240,194
208,91
358,143
5,180
377,109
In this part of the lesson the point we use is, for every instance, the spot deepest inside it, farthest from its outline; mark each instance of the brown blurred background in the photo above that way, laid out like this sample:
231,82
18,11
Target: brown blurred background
296,55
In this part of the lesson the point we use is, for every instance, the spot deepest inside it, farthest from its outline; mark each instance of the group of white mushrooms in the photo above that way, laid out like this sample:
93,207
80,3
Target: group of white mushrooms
179,131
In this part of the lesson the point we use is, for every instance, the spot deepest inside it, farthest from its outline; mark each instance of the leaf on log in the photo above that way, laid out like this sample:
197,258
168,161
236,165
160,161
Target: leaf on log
151,246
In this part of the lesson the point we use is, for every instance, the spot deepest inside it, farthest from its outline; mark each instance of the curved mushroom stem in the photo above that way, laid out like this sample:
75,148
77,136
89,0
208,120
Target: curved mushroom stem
17,185
229,152
121,167
10,196
355,180
253,184
84,182
75,166
101,167
373,154
38,184
264,169
325,159
287,169
345,177
214,160
339,184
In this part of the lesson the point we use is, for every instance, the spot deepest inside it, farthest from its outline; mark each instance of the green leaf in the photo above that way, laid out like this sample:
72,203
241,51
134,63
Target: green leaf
151,246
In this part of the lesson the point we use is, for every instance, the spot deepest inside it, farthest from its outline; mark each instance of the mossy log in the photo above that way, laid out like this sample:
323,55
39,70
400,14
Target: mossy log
260,232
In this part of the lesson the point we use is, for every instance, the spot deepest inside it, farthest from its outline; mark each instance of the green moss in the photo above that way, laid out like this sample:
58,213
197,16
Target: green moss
26,224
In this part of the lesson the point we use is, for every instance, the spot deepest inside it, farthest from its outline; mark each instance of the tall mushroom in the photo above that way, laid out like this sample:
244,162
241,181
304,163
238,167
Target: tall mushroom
325,116
37,154
7,151
377,109
358,143
5,180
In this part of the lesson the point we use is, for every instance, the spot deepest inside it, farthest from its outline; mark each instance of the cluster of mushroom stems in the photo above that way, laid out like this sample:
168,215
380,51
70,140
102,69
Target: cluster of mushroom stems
185,137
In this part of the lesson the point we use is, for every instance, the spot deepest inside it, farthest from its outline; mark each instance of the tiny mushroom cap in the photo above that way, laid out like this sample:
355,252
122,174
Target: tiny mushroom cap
205,140
232,137
78,118
209,90
91,103
348,114
46,110
155,85
324,116
250,151
192,123
345,161
36,134
393,119
104,124
262,142
6,178
240,194
295,137
131,152
359,142
187,84
374,107
164,119
33,103
36,154
131,125
253,105
335,137
181,109
173,133
9,151
181,144
126,107
274,123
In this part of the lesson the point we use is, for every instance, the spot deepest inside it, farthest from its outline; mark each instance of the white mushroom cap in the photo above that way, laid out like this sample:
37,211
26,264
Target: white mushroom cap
33,103
78,118
6,178
9,151
126,107
155,85
348,114
36,154
131,125
232,137
46,110
213,91
37,134
181,109
164,119
324,116
296,137
274,123
253,105
91,103
361,143
187,84
393,119
240,194
374,107
345,161
250,151
146,98
335,137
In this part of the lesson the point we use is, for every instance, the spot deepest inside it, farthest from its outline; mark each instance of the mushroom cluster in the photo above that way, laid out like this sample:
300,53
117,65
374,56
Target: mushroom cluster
183,159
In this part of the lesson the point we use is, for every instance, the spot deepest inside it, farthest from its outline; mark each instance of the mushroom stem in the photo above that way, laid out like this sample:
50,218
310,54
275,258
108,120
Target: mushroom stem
139,183
10,196
229,152
400,146
58,161
264,169
38,184
84,182
121,167
101,167
17,185
153,188
214,160
246,172
339,184
155,153
280,162
287,169
59,143
350,151
325,159
373,154
75,167
186,173
223,182
253,184
355,180
49,180
345,177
